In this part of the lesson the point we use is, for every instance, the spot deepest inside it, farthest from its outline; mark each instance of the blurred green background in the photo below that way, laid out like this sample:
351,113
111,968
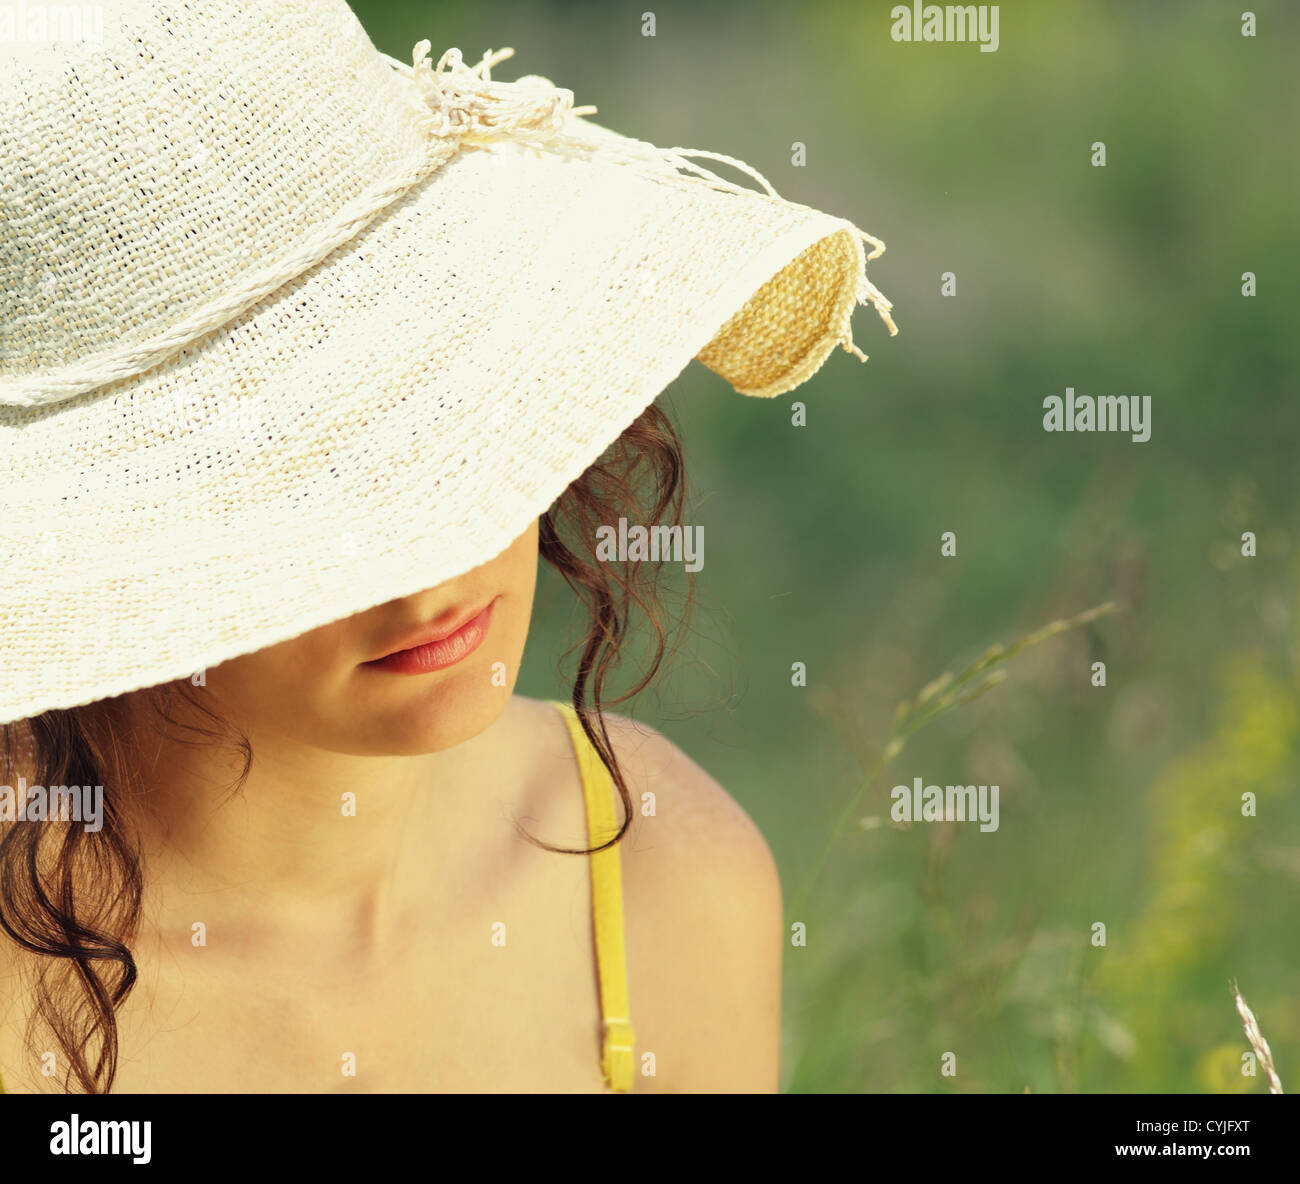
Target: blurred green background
1120,804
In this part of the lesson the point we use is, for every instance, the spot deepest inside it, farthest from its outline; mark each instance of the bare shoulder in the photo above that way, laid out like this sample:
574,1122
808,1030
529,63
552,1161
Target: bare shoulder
702,900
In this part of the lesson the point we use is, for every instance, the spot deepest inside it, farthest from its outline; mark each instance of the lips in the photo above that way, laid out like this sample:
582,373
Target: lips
435,649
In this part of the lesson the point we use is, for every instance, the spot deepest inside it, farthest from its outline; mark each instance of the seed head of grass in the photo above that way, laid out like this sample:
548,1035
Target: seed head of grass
1262,1051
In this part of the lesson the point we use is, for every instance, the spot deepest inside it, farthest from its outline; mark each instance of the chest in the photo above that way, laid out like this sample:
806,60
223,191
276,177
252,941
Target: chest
506,1000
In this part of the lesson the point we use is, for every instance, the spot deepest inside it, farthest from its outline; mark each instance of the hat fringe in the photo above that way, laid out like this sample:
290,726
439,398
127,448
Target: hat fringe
468,105
465,105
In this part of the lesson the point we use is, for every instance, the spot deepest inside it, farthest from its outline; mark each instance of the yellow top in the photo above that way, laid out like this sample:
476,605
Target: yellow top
617,1036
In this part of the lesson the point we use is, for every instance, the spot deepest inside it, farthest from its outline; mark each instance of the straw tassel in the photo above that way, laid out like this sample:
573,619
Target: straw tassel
466,104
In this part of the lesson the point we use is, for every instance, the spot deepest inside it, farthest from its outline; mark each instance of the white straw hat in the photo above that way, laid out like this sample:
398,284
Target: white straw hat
289,329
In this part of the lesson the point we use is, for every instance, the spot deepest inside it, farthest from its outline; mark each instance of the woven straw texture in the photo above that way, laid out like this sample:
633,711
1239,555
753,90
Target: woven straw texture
276,345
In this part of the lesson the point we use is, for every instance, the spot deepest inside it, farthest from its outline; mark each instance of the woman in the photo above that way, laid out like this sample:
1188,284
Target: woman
348,359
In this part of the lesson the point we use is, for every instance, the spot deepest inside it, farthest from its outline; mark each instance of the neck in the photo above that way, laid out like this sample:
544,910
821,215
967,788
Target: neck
322,844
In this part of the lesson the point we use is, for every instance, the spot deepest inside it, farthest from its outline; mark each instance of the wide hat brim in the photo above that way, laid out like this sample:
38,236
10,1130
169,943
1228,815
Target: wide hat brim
395,416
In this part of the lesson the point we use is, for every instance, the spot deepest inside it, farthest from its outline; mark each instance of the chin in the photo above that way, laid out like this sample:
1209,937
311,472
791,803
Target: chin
413,715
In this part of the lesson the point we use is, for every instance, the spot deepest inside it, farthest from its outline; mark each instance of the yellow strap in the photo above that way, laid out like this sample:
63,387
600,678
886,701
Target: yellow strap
618,1038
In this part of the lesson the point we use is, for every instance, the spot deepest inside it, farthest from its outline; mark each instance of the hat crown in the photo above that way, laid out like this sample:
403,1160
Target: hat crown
152,164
